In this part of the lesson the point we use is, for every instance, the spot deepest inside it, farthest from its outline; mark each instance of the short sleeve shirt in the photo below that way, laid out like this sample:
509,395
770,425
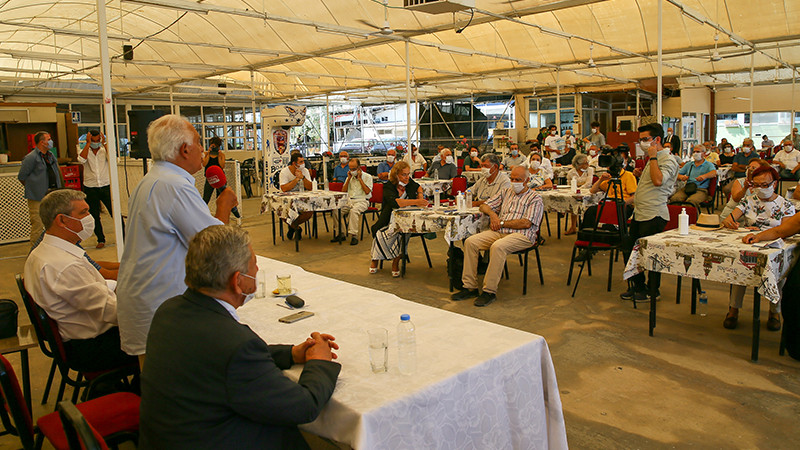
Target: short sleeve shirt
761,214
286,177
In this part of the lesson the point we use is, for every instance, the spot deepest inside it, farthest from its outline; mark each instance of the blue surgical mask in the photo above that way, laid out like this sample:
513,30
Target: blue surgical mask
50,143
95,145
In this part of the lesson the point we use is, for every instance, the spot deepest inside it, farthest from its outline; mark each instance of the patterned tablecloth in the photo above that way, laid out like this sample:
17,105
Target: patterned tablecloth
561,171
715,256
429,184
563,201
287,205
498,390
456,225
724,174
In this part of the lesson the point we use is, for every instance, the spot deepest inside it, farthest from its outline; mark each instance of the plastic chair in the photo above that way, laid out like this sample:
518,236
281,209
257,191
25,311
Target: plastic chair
114,416
335,186
26,299
459,185
80,435
419,173
524,263
712,191
611,240
374,200
55,344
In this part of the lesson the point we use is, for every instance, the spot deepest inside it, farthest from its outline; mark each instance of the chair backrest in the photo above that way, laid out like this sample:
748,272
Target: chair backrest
419,173
460,163
640,163
675,210
608,212
712,188
15,406
335,186
80,435
364,169
30,307
377,193
459,185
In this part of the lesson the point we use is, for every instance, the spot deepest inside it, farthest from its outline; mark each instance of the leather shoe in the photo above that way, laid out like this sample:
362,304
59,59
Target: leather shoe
485,299
774,322
338,238
464,294
100,245
290,233
730,322
354,241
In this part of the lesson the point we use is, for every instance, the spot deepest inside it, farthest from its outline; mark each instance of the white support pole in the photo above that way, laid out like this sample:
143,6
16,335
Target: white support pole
752,91
253,110
794,77
329,145
171,101
558,103
660,83
111,134
408,94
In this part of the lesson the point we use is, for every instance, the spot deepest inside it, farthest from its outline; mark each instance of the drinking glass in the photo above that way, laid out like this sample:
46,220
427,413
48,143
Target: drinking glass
378,349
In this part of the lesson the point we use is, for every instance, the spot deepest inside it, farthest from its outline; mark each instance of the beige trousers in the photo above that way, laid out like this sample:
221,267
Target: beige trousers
36,220
353,210
500,246
737,297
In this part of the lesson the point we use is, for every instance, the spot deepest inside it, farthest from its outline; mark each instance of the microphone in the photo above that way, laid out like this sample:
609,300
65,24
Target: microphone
216,178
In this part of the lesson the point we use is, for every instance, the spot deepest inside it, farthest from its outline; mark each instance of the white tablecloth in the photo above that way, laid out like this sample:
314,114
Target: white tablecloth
564,201
456,225
287,205
478,385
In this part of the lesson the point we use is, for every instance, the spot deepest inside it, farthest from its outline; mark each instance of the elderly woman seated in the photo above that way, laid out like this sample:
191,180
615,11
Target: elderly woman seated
399,192
539,179
762,210
742,187
582,172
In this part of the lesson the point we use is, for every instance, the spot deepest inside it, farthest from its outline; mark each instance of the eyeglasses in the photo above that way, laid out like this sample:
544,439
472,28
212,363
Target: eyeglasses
645,139
763,185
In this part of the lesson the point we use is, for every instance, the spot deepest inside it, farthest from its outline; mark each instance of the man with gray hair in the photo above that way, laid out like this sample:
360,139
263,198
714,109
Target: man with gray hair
492,181
788,158
39,174
165,212
70,289
211,382
699,173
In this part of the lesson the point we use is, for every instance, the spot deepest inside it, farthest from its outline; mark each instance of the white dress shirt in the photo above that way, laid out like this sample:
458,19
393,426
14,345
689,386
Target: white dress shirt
166,211
70,289
95,168
789,159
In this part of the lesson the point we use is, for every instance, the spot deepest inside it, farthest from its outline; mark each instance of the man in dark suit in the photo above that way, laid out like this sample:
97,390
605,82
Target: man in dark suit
211,382
674,140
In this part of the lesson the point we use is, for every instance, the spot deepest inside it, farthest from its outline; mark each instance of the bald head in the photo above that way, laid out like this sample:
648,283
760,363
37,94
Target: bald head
519,174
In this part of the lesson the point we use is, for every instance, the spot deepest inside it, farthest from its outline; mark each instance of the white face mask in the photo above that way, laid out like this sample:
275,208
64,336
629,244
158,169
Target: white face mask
645,145
553,133
486,171
592,152
473,154
449,160
88,226
50,143
95,145
788,148
301,166
765,193
746,149
518,187
728,150
343,160
535,164
353,172
248,297
390,158
697,156
595,130
401,183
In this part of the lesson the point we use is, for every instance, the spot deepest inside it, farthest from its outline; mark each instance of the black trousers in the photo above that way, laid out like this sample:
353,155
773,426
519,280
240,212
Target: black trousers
97,354
790,308
638,230
208,191
94,196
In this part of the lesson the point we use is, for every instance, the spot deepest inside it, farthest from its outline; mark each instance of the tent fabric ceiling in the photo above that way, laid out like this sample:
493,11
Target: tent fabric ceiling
312,48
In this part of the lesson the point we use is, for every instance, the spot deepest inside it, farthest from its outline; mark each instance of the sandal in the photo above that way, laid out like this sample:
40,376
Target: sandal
373,270
396,274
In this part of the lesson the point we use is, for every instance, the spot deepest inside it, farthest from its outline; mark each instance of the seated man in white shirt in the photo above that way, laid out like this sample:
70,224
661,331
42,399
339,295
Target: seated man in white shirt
296,178
415,160
788,158
514,158
358,186
70,289
492,181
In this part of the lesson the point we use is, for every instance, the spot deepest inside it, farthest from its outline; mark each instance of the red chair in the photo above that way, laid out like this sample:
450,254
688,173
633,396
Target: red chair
459,185
364,169
610,241
460,163
80,435
55,345
712,192
640,163
419,173
114,416
375,200
335,186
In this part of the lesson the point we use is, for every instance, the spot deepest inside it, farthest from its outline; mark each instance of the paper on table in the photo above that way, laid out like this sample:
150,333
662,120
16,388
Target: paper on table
777,243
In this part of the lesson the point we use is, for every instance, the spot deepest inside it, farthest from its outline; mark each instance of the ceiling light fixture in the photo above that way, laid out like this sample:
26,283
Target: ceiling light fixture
368,63
39,56
180,6
256,51
693,15
456,51
591,60
715,55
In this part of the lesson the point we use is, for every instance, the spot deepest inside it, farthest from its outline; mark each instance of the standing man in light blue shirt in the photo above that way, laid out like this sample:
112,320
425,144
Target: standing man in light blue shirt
39,174
650,214
165,212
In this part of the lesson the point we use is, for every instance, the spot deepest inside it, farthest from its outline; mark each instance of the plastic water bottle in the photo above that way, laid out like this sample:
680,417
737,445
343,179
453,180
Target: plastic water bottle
573,185
437,197
702,306
436,175
683,223
406,346
469,198
314,186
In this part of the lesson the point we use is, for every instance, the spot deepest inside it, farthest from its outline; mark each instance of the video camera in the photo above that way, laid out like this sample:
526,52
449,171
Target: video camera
613,159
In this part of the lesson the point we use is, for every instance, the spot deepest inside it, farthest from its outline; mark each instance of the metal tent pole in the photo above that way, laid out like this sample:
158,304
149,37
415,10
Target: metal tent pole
408,94
660,83
111,134
794,77
752,69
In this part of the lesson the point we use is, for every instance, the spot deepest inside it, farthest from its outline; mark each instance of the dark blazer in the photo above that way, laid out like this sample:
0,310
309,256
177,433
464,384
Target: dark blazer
211,382
675,141
389,204
566,159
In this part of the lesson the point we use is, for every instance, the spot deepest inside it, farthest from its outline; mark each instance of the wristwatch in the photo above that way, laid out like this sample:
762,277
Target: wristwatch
502,224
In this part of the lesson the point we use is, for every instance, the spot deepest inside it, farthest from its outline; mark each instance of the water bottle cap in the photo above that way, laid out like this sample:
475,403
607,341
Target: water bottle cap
405,317
683,210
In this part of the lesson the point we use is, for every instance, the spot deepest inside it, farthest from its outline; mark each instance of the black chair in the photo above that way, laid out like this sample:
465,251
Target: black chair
39,335
524,263
598,239
248,173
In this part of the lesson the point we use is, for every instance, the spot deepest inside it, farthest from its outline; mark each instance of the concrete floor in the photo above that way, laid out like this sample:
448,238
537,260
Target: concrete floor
691,385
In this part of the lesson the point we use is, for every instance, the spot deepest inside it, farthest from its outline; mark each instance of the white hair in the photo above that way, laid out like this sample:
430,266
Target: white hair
166,134
701,147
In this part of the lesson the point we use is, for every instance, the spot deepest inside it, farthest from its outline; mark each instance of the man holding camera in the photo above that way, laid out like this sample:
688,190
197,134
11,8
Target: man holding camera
650,214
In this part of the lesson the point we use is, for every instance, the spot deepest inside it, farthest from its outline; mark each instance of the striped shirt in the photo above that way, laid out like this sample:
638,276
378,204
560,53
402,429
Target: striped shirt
510,206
